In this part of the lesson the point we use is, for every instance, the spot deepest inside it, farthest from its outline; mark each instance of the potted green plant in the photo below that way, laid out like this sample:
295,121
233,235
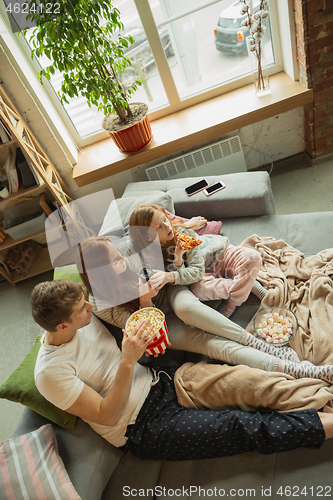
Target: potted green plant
83,40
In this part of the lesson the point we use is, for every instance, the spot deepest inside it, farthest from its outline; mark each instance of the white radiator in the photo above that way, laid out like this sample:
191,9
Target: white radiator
223,157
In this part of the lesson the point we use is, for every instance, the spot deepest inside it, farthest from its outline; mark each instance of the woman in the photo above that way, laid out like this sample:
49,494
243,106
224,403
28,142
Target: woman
113,286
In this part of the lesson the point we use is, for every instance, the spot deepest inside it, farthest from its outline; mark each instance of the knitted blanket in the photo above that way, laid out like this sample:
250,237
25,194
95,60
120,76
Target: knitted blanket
304,285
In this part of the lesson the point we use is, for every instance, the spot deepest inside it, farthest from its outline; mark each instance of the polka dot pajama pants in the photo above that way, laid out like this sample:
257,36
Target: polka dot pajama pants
165,430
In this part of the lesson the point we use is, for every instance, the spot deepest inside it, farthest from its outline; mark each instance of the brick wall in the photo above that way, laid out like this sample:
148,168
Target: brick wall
314,36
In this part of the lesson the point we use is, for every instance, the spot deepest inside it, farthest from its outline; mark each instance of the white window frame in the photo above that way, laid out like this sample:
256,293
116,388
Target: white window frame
17,51
283,32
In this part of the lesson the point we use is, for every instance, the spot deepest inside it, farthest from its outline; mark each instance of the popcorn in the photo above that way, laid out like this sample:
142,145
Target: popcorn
160,336
155,316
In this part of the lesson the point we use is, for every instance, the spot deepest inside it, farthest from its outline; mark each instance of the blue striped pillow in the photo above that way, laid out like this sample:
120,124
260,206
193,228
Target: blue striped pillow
32,468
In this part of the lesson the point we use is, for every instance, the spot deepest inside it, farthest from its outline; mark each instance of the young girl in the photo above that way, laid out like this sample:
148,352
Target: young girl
214,269
149,219
114,288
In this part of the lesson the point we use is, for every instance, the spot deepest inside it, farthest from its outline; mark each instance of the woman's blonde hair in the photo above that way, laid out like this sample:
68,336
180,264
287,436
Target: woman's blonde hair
94,253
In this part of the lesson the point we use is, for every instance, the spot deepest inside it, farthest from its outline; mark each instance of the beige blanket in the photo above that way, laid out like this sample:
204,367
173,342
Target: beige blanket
215,386
305,286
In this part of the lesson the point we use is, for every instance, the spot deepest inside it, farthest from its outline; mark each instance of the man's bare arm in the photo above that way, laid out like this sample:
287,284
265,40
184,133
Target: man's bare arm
108,410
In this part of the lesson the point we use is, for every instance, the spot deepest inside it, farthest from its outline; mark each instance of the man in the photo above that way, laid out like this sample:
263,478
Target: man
81,370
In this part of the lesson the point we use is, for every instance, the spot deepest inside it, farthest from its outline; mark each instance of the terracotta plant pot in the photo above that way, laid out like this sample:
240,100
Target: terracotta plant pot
131,137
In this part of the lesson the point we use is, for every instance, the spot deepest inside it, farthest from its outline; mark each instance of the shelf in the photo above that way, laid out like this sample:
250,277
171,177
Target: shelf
40,265
51,185
197,124
9,242
24,193
8,143
6,275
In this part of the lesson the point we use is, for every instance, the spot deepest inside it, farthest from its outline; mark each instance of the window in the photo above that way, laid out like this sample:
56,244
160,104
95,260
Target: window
185,51
208,41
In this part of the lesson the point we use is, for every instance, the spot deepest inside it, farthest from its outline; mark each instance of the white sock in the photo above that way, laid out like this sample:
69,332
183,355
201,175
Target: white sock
258,290
308,370
282,352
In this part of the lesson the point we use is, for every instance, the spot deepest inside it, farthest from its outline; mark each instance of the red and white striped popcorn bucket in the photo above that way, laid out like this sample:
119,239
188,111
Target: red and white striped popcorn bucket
160,338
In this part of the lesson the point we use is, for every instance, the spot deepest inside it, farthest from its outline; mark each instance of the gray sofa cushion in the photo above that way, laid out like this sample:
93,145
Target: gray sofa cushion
134,475
117,217
246,194
309,233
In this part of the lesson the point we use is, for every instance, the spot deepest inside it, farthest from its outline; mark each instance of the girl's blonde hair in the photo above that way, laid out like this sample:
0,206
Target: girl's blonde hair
94,253
142,217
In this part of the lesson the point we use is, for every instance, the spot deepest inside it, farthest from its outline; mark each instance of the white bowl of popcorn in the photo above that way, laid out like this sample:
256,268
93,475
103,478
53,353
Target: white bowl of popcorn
276,325
160,336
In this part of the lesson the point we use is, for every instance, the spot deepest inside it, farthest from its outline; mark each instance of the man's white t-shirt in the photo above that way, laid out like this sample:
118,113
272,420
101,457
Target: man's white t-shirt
92,357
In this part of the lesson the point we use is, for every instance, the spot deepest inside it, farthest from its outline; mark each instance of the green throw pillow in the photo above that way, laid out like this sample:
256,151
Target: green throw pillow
69,272
20,387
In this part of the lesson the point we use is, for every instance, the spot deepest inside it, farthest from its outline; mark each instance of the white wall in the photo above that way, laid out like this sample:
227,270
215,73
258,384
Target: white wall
273,139
269,140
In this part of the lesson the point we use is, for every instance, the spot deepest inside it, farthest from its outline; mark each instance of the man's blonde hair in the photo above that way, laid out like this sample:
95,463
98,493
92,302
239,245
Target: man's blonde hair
53,302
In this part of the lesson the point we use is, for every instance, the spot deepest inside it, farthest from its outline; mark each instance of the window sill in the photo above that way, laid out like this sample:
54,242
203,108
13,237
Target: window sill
194,125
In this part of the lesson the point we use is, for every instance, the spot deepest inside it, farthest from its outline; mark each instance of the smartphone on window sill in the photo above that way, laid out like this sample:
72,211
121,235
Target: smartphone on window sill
214,188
